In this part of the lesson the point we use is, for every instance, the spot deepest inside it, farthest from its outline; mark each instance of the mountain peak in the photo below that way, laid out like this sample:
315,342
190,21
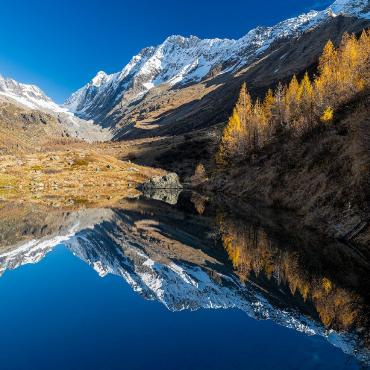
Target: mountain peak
99,79
28,95
174,38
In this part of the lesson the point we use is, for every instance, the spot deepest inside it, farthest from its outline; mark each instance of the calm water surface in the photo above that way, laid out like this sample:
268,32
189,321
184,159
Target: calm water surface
149,285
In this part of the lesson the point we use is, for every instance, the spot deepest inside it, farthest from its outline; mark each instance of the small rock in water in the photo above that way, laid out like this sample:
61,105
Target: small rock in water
169,181
166,188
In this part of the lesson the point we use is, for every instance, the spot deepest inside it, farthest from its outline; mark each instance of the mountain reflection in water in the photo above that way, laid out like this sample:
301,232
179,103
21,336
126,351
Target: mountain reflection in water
207,254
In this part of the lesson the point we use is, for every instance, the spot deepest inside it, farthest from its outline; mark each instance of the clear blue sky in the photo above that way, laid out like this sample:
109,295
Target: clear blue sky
60,45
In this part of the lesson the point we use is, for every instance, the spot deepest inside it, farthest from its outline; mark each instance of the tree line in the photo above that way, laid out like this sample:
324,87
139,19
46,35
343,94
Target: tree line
343,73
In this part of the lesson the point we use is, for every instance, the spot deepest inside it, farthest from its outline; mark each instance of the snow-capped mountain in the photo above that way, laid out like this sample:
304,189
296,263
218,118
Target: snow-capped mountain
358,8
180,60
32,97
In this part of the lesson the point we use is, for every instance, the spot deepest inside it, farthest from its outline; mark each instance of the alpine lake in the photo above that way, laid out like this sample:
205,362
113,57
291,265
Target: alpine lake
179,281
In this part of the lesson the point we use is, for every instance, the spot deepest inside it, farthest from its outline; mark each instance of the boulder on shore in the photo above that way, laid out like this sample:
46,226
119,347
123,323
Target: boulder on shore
169,181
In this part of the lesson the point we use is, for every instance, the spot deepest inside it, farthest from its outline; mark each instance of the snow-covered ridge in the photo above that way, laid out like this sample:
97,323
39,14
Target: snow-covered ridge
32,97
29,96
34,250
182,60
358,8
30,252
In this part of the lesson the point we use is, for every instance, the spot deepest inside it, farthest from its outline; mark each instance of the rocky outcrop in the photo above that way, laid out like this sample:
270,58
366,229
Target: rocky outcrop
168,181
165,188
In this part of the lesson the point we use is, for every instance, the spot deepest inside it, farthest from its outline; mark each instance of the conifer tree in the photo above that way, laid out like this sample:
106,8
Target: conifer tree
237,134
292,97
244,107
268,103
258,126
278,109
328,58
306,100
364,47
230,140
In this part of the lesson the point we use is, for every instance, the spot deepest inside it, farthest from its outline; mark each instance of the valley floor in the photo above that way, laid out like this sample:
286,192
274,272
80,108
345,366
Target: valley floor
323,177
64,176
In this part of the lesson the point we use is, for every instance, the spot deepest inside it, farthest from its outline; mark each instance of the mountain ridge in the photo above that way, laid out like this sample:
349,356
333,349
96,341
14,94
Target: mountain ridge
182,60
28,95
28,98
152,87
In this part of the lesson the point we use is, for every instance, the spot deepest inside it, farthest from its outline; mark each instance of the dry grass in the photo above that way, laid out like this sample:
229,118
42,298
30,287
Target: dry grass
69,177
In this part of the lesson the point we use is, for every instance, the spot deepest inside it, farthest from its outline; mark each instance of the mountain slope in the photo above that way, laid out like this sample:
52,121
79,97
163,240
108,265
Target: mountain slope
23,130
178,74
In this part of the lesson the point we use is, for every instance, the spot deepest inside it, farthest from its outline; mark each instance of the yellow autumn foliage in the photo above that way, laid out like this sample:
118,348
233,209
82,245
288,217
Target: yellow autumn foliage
343,72
328,115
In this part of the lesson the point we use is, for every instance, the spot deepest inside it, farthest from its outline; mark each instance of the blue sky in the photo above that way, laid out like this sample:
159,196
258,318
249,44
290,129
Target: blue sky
60,45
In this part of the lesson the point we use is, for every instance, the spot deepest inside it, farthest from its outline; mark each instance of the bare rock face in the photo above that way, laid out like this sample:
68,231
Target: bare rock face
169,181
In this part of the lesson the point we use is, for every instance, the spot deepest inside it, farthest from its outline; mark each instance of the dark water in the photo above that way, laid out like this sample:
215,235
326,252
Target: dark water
148,285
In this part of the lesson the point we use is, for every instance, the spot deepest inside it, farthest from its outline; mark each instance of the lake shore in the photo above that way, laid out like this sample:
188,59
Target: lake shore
77,175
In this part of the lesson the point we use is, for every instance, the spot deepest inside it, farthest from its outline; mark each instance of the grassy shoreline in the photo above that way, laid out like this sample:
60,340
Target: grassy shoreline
70,176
